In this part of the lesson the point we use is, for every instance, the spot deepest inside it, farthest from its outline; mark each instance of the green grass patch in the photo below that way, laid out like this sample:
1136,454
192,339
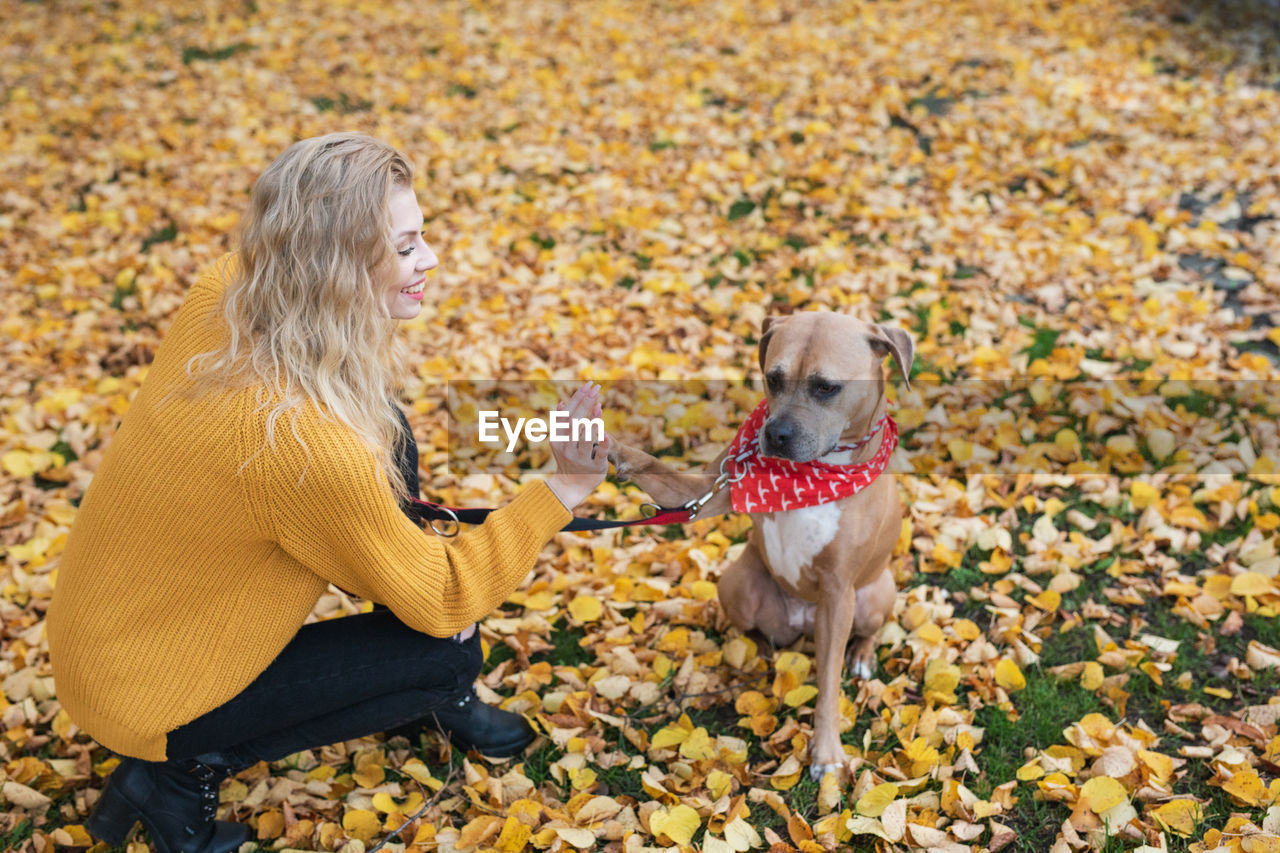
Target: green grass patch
192,53
16,837
568,650
167,234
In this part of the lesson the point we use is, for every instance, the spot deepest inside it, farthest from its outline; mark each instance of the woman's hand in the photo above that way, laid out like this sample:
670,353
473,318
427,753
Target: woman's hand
580,465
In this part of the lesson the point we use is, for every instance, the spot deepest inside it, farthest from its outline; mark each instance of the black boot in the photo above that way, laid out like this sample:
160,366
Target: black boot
472,724
176,802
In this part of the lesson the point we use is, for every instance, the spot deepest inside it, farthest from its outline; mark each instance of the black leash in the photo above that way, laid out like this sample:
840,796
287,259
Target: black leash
454,517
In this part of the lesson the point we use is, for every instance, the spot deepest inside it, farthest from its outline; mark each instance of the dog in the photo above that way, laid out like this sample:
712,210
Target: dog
821,570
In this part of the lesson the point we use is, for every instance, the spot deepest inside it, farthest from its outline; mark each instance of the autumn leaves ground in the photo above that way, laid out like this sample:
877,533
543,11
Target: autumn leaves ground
1072,206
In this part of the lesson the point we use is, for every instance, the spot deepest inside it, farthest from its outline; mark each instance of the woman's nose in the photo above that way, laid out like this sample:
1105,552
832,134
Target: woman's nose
428,260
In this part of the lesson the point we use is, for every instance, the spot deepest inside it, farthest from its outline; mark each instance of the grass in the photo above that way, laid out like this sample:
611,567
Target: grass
17,835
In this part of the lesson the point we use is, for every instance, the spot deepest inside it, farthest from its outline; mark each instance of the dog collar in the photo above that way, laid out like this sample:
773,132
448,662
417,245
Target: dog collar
767,484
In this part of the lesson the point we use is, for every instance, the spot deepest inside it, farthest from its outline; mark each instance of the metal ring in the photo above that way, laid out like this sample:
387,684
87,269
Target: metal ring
453,519
648,510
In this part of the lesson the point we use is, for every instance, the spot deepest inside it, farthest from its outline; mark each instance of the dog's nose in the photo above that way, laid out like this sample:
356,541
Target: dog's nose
778,433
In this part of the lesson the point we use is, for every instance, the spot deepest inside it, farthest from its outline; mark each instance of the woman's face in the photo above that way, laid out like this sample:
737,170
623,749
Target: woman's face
404,288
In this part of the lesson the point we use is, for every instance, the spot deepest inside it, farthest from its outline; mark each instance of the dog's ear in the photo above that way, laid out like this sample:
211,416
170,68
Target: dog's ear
766,328
890,340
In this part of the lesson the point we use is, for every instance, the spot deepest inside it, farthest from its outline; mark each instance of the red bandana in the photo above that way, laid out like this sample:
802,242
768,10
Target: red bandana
767,484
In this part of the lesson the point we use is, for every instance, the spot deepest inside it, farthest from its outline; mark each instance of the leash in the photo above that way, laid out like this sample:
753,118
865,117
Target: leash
452,518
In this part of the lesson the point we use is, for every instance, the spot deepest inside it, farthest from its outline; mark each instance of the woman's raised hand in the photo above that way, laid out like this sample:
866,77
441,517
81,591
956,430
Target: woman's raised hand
580,465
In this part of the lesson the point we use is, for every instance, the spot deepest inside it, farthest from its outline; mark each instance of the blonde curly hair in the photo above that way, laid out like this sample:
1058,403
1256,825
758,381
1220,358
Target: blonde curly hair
305,322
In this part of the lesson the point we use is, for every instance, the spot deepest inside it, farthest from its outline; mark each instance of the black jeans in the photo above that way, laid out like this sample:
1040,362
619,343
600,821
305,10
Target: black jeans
336,680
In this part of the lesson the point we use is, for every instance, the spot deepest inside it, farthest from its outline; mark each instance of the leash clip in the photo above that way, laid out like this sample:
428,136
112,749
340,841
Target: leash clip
448,532
724,478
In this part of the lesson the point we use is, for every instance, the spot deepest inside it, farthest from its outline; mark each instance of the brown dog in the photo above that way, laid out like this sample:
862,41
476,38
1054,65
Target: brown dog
822,571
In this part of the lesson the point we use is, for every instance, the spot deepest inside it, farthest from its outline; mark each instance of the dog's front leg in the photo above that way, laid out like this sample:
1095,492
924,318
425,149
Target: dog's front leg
832,623
664,484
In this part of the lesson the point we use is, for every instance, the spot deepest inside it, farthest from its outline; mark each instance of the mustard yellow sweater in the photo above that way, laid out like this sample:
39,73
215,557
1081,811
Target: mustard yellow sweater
185,573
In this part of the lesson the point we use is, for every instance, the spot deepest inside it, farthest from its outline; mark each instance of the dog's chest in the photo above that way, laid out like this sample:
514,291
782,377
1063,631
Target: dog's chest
791,540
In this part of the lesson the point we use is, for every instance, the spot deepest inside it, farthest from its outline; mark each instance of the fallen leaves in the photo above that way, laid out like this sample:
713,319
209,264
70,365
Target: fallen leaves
1068,207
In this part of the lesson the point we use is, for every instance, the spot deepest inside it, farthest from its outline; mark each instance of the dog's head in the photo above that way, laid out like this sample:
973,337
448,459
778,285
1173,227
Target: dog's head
824,375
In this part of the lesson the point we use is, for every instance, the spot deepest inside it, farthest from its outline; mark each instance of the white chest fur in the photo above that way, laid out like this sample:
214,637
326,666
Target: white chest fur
793,538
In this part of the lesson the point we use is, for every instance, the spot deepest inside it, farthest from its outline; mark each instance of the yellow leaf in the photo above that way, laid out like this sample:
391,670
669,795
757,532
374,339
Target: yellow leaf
738,651
1161,765
718,783
669,736
323,773
1142,495
941,679
786,776
478,831
541,600
828,793
866,826
698,745
582,778
711,844
800,696
583,839
1047,600
1179,816
270,824
795,663
79,835
1030,771
361,824
675,640
595,809
741,835
874,802
416,770
18,463
753,702
1009,676
369,775
61,512
678,823
514,836
382,802
1093,676
586,608
61,724
702,590
1251,583
1246,787
1103,793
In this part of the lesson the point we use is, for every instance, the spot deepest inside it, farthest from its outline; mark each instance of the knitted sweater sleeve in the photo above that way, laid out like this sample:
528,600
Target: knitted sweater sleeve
342,523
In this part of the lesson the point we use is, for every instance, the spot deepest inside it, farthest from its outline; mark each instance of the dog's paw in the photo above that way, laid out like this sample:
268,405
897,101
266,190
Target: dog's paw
860,669
817,771
621,469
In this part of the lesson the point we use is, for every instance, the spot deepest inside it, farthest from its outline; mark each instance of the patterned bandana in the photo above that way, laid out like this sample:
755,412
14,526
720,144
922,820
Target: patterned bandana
767,484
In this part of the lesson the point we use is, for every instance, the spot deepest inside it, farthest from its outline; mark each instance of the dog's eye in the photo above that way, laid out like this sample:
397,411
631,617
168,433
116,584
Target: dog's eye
774,381
824,390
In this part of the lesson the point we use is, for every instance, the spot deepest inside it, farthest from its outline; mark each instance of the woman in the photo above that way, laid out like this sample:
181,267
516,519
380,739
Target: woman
263,459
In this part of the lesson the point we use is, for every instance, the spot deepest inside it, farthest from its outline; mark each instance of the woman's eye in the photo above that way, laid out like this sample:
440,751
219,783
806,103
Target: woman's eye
406,252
